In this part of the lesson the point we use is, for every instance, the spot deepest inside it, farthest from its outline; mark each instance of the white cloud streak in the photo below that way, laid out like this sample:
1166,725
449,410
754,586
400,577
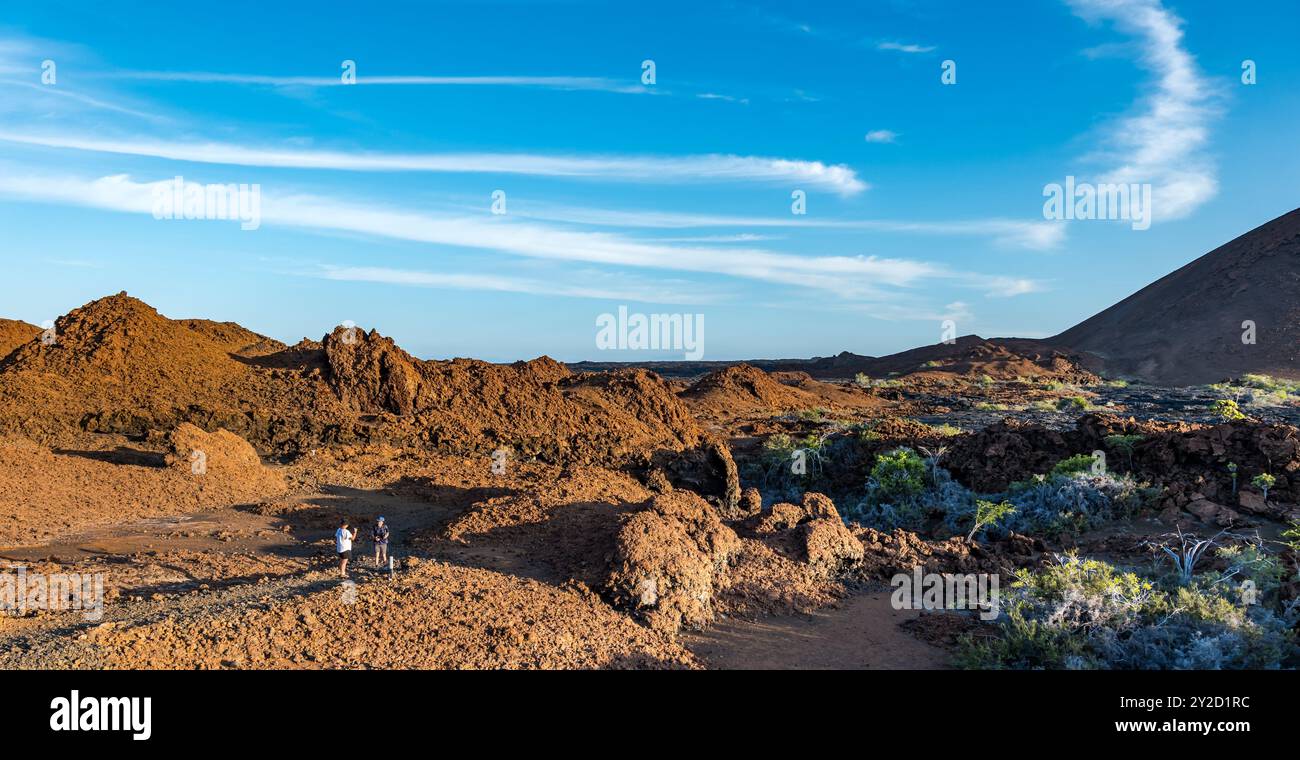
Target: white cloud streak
903,47
639,290
601,84
62,91
676,169
848,277
1033,235
21,68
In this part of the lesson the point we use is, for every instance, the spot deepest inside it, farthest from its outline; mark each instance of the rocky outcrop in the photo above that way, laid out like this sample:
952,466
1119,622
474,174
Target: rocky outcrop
118,366
989,460
708,470
786,516
1189,462
829,547
220,460
371,374
667,560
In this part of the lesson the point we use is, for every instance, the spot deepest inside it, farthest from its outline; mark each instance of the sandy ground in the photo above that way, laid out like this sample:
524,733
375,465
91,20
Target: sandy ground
860,633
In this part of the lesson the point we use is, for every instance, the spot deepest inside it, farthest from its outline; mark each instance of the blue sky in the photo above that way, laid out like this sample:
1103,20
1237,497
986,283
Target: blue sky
924,200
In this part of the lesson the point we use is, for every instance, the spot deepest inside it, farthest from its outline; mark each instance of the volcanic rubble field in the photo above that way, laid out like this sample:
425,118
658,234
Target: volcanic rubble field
544,518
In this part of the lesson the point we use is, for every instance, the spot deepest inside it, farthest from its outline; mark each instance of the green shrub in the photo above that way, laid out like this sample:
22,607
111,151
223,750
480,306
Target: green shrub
1292,534
899,474
824,454
1072,404
1123,444
812,415
1070,466
863,380
1227,410
893,492
779,449
1069,504
989,513
907,491
1249,562
1263,482
1270,383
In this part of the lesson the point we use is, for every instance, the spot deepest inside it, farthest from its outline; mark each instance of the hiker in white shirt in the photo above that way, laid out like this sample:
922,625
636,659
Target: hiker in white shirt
343,539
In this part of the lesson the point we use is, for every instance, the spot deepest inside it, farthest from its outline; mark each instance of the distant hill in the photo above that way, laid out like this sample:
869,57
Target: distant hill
840,365
1186,328
969,355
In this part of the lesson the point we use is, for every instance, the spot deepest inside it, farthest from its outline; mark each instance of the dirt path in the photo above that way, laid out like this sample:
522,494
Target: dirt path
306,522
862,634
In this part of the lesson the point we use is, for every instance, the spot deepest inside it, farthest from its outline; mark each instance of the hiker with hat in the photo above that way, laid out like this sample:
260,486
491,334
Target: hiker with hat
380,536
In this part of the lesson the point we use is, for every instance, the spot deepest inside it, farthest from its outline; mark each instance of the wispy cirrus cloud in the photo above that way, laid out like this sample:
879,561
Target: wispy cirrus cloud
630,86
658,169
602,84
743,237
1032,235
720,96
21,70
46,93
622,289
881,136
846,276
1163,142
904,47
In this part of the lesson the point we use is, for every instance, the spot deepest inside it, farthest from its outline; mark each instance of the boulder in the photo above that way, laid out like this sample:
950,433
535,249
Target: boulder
785,516
1228,517
819,505
830,547
667,559
707,469
1205,509
1252,502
